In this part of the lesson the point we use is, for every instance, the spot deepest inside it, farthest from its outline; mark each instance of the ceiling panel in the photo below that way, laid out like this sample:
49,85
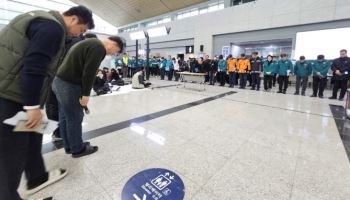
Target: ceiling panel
123,12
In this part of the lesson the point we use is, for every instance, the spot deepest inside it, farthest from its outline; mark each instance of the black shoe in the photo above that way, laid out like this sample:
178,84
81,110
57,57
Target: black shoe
279,92
313,95
332,97
284,92
296,93
257,89
320,96
303,94
88,149
69,152
341,99
252,88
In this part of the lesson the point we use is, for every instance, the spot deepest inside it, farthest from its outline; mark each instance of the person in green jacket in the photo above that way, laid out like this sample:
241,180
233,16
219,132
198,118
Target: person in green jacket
284,69
72,86
320,69
302,70
269,71
222,70
162,68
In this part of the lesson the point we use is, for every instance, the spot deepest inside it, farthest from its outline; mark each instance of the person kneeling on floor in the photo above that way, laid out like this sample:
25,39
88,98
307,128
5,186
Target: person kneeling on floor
138,81
73,85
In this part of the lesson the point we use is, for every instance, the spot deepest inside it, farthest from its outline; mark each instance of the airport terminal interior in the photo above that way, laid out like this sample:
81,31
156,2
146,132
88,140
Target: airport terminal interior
199,100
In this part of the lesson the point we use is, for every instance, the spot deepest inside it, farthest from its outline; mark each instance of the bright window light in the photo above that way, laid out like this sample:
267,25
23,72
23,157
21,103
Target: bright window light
137,35
156,138
156,32
203,11
166,20
137,129
213,8
313,43
194,13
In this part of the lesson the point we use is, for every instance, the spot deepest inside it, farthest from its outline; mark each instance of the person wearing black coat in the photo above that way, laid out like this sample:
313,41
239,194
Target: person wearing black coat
341,70
213,71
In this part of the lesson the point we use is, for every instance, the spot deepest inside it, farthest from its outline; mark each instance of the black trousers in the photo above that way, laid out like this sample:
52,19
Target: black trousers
162,73
176,75
250,79
318,85
268,82
342,85
51,108
129,72
222,78
283,83
255,80
274,79
19,152
242,80
125,71
170,74
301,81
212,76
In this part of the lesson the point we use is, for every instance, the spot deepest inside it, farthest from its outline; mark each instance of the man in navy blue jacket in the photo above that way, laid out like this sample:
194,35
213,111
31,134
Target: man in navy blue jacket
341,70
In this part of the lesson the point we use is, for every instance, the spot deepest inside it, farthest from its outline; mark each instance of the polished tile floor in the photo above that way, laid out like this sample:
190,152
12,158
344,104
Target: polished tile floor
245,145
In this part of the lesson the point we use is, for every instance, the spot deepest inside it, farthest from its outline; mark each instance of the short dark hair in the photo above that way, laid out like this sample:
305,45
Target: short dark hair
255,53
242,55
344,50
84,15
221,57
120,42
302,57
320,57
90,35
283,55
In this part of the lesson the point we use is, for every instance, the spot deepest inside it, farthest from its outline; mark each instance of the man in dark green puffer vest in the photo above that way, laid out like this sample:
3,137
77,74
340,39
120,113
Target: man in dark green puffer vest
31,47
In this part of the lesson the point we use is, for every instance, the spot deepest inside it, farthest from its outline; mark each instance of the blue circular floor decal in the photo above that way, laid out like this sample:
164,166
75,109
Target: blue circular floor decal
154,184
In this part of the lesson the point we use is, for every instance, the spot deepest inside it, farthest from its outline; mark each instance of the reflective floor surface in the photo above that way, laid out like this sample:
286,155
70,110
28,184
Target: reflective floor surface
224,144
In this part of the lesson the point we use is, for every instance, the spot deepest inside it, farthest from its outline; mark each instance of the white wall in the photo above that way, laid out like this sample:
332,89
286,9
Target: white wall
263,14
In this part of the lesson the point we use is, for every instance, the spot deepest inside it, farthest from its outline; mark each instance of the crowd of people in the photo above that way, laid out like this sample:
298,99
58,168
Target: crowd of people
251,70
41,66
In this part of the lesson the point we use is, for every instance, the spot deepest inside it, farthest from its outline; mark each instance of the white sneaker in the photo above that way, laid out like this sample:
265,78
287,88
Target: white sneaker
54,176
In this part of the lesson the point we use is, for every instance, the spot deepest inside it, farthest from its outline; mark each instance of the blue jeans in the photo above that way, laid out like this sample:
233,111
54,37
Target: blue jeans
70,114
232,78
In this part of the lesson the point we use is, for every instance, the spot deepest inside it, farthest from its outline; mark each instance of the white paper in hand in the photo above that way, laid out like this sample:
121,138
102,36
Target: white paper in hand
46,126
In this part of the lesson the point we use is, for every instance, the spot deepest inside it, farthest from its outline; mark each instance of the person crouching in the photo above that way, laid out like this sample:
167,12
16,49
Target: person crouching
138,80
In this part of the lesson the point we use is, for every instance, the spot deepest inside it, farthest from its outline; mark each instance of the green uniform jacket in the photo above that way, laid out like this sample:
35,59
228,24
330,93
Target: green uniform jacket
283,67
320,66
302,69
269,68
